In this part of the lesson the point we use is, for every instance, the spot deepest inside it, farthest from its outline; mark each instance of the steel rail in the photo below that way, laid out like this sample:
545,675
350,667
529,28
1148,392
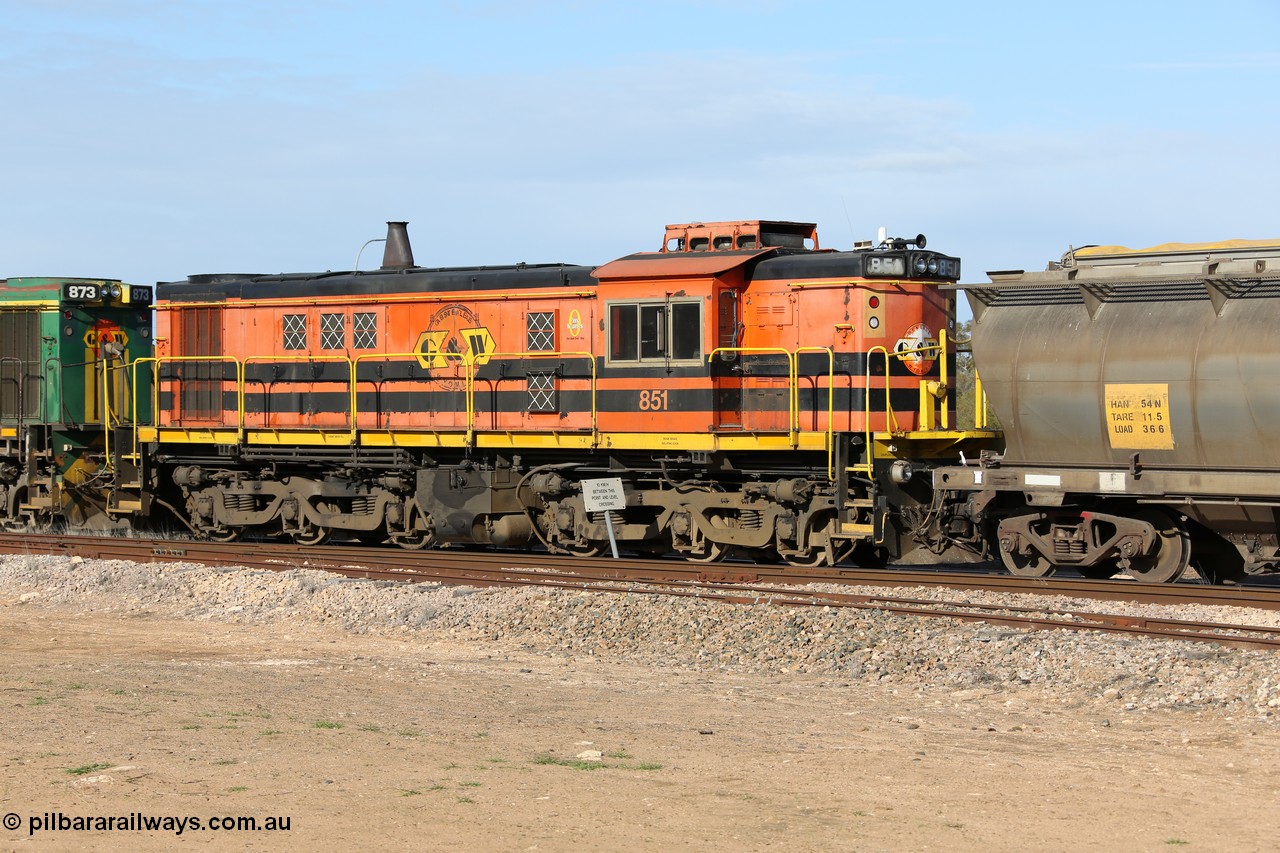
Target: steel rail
668,578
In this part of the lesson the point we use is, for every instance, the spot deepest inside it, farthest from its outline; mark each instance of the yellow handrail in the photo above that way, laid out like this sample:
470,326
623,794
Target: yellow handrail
793,417
106,414
155,362
945,415
242,380
397,356
890,418
472,362
979,402
831,379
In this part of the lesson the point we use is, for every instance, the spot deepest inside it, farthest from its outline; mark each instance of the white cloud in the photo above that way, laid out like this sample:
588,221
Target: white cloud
135,159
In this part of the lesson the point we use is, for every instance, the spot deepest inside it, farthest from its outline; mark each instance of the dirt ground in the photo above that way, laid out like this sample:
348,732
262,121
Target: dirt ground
381,744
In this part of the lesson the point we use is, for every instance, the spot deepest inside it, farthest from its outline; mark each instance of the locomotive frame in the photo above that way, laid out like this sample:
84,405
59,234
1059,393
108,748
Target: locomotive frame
757,395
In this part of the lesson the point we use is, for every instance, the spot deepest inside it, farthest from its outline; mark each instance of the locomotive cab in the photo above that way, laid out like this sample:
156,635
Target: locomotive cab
749,236
67,398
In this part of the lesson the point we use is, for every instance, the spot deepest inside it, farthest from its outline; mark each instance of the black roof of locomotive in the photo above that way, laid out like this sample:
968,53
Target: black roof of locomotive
776,264
202,288
768,265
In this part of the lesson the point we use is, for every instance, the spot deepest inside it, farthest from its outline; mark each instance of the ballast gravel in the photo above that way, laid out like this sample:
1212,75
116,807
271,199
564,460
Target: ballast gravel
843,645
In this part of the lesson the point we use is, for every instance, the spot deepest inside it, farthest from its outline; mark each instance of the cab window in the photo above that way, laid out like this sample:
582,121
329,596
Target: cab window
655,331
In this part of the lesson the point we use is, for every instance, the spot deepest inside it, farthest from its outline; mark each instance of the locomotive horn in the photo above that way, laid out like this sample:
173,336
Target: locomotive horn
398,254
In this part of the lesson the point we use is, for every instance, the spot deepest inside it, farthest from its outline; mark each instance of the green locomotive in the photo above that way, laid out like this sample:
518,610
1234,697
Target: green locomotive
67,400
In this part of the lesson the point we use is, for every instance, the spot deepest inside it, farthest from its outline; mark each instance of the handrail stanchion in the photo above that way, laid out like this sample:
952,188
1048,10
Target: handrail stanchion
831,380
945,417
793,397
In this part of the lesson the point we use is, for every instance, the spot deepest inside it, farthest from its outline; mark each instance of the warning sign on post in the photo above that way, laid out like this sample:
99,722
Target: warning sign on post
603,495
1138,417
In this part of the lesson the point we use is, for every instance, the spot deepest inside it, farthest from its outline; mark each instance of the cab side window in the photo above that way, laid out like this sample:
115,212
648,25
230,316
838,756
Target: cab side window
655,331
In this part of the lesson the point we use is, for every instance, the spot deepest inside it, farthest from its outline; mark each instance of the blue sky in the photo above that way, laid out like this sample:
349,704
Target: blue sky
150,140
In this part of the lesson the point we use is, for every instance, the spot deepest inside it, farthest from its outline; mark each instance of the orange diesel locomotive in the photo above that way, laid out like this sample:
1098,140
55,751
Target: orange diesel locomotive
747,390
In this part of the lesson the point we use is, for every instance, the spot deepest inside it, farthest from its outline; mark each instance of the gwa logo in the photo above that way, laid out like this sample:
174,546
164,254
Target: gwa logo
454,336
917,349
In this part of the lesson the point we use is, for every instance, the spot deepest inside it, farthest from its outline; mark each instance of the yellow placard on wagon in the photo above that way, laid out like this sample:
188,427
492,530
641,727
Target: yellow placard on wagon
1138,417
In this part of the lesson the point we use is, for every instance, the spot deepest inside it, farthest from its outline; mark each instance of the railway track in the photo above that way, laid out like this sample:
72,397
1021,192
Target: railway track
728,582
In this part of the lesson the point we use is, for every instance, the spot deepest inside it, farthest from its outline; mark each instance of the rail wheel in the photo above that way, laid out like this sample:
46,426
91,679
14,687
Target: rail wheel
584,549
413,541
419,533
1030,565
712,552
1172,553
811,559
311,535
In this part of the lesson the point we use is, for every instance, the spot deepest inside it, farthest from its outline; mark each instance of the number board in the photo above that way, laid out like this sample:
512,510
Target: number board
79,292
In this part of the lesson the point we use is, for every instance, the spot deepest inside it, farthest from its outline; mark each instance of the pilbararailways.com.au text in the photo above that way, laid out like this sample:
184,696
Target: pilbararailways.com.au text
139,822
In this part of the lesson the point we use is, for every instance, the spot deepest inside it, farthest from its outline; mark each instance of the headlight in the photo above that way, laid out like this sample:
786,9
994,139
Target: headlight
933,266
921,266
115,291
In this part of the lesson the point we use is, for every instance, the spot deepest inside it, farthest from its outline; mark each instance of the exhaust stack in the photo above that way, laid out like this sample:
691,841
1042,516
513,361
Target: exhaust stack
398,254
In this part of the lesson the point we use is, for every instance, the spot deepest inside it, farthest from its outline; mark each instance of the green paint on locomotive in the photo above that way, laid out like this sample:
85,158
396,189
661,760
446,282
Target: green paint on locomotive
65,349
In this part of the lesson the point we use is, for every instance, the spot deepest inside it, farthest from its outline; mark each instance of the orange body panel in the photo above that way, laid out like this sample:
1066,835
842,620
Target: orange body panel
738,353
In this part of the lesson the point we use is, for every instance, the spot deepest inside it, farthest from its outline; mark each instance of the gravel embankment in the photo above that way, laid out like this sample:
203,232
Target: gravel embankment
846,646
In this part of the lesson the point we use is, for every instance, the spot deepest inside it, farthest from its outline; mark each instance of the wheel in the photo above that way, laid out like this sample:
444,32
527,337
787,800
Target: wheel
311,536
422,535
582,549
814,555
811,559
1032,565
714,553
414,541
1172,554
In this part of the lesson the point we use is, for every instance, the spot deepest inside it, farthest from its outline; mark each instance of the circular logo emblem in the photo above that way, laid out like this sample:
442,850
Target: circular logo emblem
453,340
917,349
575,323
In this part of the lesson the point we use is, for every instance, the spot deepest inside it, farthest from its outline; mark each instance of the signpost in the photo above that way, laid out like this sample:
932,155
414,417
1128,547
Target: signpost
605,496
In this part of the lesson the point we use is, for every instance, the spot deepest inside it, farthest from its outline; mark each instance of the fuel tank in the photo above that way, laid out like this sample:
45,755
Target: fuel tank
1171,353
